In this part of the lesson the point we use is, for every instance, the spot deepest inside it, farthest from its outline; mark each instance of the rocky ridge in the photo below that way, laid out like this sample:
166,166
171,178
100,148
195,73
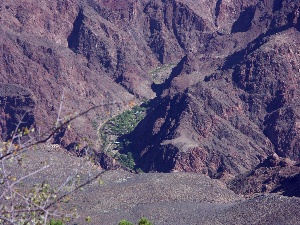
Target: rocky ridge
222,103
273,175
230,101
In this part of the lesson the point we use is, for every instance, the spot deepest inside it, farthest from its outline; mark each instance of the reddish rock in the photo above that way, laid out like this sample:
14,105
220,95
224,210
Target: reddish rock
235,100
231,101
274,175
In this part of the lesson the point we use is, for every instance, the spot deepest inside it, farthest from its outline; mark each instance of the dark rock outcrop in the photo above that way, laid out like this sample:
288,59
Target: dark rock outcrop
16,110
201,130
273,175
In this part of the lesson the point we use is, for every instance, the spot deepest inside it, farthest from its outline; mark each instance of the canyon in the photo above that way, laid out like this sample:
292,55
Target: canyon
221,78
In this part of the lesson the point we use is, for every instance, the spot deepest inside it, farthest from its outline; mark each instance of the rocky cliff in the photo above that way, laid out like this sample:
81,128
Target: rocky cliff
233,102
16,105
229,102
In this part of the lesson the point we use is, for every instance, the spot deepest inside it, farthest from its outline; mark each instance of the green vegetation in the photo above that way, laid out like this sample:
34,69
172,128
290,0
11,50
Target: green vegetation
125,222
142,221
160,73
112,134
126,160
56,222
122,124
126,122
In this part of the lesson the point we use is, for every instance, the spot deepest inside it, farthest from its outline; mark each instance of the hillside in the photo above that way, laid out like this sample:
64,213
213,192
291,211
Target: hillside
164,198
209,89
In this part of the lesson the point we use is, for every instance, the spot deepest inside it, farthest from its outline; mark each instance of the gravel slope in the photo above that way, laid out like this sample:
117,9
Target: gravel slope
173,198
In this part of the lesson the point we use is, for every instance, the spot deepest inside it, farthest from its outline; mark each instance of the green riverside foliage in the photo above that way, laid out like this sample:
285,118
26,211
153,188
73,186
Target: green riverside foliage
113,131
122,124
126,160
126,122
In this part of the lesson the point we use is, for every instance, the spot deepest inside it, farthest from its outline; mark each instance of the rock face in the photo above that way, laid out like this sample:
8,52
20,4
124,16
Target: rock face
35,55
231,100
273,175
268,77
225,109
202,130
87,51
16,105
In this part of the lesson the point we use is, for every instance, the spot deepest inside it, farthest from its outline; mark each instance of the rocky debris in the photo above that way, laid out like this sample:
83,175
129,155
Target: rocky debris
274,175
268,209
173,198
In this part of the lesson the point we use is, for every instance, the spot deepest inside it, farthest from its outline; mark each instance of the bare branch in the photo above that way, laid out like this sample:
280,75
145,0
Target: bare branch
6,219
29,175
76,189
46,202
59,110
50,135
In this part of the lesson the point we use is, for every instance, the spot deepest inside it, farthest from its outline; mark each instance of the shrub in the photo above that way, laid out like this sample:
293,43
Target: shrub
144,221
126,160
125,222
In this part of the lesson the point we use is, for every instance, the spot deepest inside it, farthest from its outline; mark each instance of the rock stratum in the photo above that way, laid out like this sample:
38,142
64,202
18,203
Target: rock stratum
230,101
225,102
